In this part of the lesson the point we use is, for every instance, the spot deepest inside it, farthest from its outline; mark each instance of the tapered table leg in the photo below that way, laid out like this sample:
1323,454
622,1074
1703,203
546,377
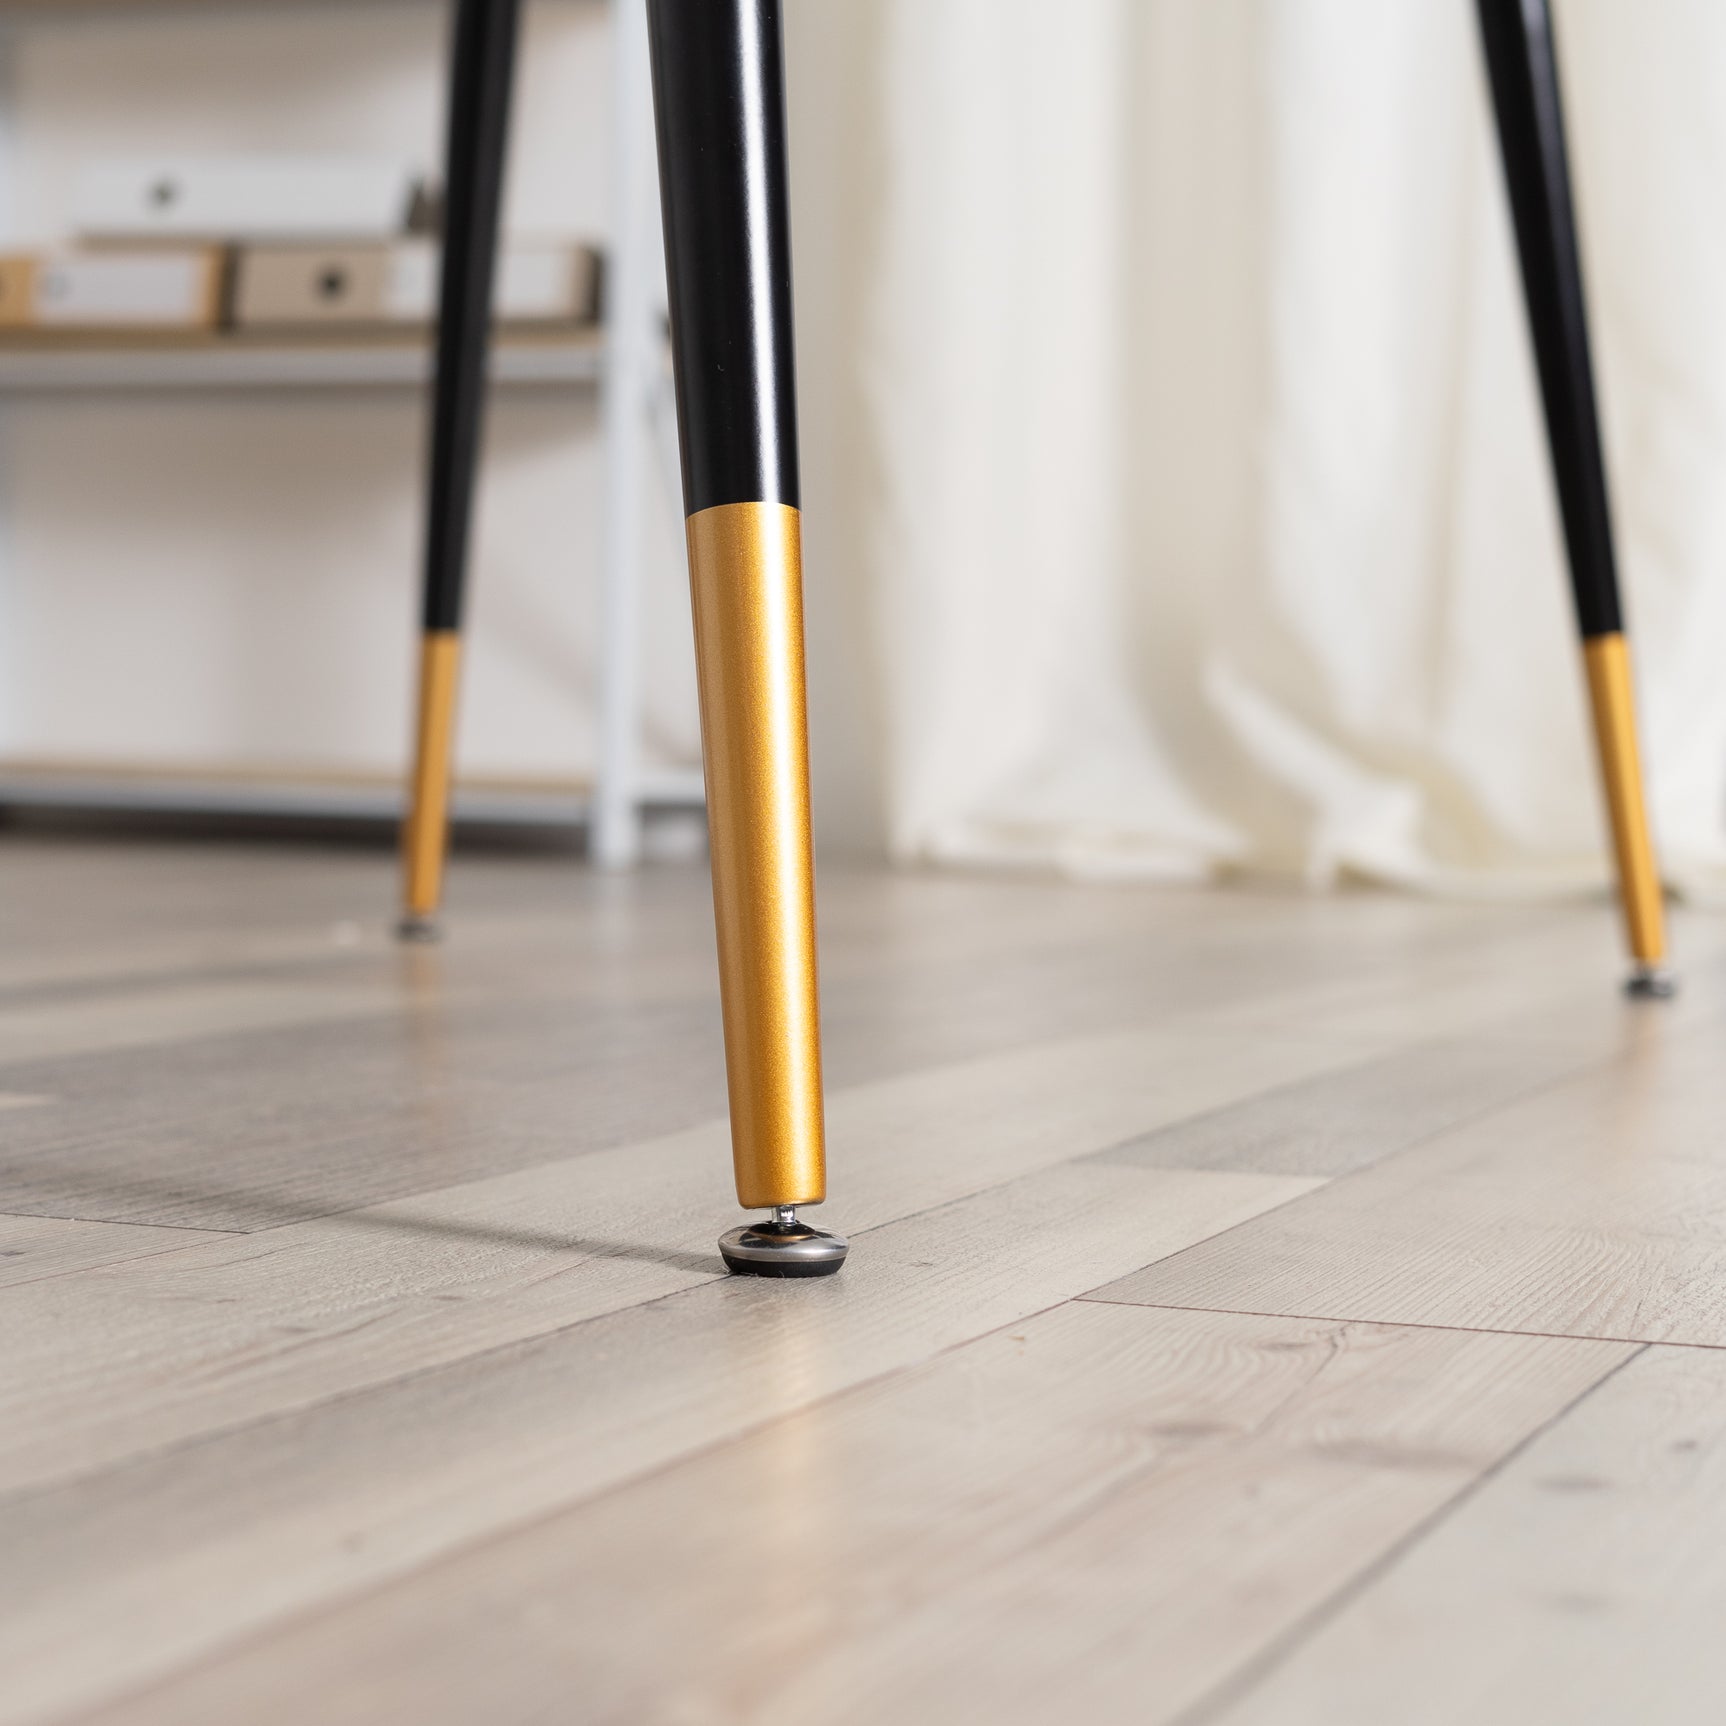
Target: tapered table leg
1523,71
482,55
720,108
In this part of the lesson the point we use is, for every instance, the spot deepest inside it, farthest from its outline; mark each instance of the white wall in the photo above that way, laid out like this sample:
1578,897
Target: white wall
232,579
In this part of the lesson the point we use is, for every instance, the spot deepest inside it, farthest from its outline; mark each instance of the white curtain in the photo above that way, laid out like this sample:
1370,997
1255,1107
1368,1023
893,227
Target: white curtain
1186,501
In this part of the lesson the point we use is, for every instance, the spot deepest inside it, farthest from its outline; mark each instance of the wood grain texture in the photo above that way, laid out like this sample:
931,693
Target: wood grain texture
115,1579
1089,1516
1596,1207
46,1026
1586,1583
216,1074
1545,976
465,1423
33,1249
1336,1122
253,1129
97,1366
242,1079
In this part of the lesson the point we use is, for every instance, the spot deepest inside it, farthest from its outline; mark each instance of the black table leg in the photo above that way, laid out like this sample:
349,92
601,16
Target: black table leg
482,56
1523,72
719,100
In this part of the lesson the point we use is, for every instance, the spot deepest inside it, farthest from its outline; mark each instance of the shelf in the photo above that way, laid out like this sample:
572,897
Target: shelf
218,363
8,7
314,796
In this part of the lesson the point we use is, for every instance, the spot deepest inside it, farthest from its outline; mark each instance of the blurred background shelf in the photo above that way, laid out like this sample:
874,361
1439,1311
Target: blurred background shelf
247,567
237,362
310,794
62,6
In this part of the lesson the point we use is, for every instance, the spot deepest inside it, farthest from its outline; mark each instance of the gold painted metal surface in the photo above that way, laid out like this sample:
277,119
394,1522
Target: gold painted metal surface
425,833
1613,705
746,579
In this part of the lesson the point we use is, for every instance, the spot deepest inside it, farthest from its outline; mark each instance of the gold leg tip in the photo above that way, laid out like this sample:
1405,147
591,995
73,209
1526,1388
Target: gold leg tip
1650,983
782,1247
416,926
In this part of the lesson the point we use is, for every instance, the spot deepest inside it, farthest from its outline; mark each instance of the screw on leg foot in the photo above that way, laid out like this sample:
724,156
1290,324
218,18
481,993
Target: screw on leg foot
783,1247
1650,983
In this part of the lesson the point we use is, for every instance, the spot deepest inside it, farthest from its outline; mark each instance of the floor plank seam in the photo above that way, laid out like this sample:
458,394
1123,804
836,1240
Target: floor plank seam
461,1551
1585,1064
133,983
82,1270
158,1452
1403,1323
1320,1184
1256,1668
1161,1021
1325,1182
153,1452
259,1422
121,1223
501,1350
1540,1088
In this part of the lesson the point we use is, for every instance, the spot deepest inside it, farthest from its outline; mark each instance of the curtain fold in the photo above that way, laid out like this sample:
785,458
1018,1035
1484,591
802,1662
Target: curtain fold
1208,518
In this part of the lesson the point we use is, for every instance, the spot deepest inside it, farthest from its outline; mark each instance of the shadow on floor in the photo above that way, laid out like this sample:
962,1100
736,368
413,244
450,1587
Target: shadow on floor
394,1220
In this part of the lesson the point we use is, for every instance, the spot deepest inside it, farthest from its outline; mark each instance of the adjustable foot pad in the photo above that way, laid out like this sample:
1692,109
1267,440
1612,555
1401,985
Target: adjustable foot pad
776,1249
1650,983
417,928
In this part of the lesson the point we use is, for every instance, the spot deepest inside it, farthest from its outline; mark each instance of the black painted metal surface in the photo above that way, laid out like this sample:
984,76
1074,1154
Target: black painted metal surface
1523,71
719,96
482,58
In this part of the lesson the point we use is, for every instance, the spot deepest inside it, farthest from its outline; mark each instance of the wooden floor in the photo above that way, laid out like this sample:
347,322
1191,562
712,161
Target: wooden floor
1262,1309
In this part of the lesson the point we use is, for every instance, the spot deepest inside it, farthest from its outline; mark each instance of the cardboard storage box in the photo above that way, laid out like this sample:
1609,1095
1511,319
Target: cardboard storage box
296,287
302,287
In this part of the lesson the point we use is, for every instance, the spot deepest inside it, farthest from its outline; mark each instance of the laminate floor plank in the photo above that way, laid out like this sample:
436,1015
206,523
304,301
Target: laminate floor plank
1336,1122
1585,1583
92,913
96,1367
118,1578
1595,1207
88,908
1093,1515
1548,978
255,1129
364,1352
34,1029
1206,965
241,1090
35,1248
